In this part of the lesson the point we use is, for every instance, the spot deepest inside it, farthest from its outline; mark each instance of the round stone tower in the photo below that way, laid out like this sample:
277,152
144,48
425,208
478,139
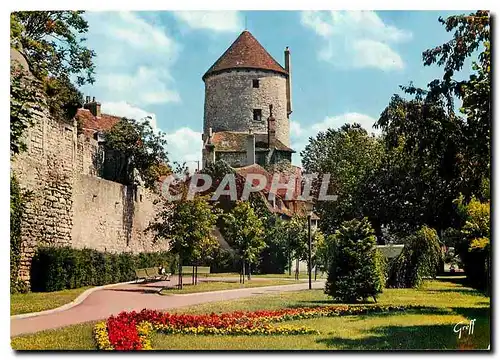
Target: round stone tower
240,86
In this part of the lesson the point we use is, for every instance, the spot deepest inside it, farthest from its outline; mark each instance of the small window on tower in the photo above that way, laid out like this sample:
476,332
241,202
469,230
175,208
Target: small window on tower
257,114
255,83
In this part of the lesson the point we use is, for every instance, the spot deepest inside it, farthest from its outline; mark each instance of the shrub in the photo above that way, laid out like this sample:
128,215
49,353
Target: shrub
473,245
58,268
421,257
355,271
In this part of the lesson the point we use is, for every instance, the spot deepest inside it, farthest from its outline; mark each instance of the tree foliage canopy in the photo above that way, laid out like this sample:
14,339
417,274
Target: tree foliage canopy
53,44
137,142
350,155
421,257
244,231
187,225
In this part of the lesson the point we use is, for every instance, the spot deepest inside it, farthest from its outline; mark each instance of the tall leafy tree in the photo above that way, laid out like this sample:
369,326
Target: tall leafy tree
439,153
53,44
245,233
297,241
349,154
140,147
273,258
187,225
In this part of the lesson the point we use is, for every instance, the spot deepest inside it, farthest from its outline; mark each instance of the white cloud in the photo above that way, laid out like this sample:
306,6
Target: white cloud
185,144
145,86
219,21
300,134
335,122
356,39
124,109
134,58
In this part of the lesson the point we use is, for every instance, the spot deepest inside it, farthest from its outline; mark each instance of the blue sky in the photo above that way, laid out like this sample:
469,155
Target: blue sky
345,65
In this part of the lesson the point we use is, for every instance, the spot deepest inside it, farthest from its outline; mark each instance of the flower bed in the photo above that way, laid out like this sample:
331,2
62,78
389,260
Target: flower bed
132,330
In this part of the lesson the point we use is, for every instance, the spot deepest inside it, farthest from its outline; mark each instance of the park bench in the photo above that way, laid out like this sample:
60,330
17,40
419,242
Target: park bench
150,274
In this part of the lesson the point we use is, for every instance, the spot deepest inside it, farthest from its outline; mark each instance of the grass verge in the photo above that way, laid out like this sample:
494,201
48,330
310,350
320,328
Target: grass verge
223,285
302,275
40,301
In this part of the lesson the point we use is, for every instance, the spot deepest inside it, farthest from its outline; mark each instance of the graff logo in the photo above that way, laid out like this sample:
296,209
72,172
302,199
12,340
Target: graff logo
199,183
461,327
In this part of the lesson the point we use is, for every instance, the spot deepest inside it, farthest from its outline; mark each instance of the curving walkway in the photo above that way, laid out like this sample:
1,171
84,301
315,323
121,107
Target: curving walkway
128,297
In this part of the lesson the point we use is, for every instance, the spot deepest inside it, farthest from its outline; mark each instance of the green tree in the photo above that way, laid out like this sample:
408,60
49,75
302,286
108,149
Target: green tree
187,225
354,272
349,154
140,148
53,44
273,258
420,258
419,176
245,233
297,242
473,241
433,153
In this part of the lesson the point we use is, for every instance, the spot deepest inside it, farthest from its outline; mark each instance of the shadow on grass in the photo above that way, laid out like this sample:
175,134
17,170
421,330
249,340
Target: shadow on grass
421,337
467,291
459,280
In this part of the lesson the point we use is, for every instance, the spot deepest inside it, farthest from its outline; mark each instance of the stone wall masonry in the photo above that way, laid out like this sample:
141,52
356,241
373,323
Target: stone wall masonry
59,169
230,99
46,171
109,217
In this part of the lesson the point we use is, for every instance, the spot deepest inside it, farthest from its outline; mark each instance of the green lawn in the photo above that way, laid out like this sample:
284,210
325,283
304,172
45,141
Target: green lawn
34,302
447,302
302,275
224,285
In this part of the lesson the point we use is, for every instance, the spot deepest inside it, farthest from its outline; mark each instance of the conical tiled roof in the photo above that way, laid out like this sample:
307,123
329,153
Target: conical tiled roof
247,53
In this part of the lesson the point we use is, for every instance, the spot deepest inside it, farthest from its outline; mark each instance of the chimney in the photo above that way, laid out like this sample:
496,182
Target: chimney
94,107
288,68
271,128
210,148
250,148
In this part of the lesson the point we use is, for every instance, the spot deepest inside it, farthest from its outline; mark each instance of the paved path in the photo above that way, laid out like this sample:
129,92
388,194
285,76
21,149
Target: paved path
106,302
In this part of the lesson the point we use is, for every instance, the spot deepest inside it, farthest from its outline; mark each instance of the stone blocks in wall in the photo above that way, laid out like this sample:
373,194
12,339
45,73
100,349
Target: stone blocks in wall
108,217
59,170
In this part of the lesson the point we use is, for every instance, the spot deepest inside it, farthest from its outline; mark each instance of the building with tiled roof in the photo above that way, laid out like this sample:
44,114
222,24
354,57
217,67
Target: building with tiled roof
247,106
92,121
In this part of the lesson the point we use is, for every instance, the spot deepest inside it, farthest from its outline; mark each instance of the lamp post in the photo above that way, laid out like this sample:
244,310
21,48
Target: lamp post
309,262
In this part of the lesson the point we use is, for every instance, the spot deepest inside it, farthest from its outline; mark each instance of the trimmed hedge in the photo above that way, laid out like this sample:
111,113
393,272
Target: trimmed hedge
59,268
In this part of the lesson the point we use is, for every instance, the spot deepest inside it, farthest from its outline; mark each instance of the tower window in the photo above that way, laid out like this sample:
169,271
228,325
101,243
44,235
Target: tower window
255,83
257,114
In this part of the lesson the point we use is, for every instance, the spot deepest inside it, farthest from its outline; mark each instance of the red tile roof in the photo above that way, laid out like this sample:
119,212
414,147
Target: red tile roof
245,53
283,176
91,123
